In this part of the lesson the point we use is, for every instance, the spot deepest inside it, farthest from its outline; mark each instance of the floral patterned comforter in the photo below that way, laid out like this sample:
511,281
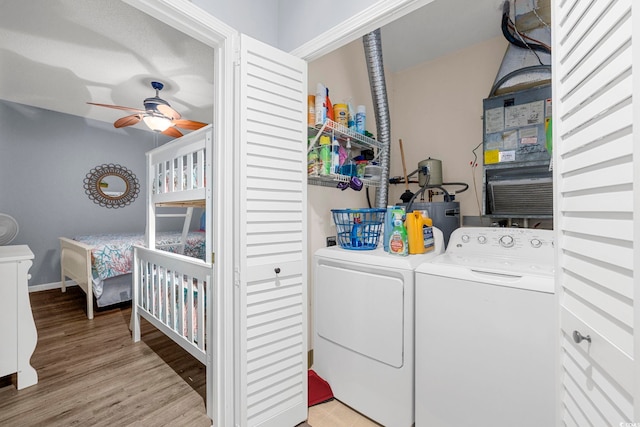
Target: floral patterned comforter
112,254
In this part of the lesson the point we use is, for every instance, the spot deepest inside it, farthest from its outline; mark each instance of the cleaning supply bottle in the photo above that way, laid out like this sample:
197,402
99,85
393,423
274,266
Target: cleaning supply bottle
325,155
335,157
398,240
341,114
330,115
388,226
348,166
427,232
311,110
389,217
418,227
361,117
321,104
351,123
356,232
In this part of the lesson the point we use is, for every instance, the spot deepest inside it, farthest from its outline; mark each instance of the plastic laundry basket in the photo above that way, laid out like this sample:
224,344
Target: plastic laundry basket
358,229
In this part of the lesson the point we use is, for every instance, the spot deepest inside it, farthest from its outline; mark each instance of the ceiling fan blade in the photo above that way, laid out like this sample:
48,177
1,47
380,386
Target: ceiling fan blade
127,121
117,107
172,131
168,111
189,124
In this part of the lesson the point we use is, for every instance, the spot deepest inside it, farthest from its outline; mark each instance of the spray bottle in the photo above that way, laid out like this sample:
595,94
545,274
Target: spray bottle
398,240
388,223
335,156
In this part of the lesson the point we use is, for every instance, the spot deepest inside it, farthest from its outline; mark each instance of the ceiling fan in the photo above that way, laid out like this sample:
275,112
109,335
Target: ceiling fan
158,115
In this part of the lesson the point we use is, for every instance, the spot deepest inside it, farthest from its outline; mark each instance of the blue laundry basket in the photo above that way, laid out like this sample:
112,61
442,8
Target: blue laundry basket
358,229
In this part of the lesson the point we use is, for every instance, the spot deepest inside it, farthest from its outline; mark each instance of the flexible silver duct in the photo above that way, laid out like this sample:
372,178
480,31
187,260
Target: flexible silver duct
373,53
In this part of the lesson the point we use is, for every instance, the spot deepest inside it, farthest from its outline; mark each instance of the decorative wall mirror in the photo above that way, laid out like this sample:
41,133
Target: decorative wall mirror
111,186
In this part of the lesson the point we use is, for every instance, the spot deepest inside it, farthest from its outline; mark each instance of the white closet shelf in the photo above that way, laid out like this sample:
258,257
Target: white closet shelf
342,134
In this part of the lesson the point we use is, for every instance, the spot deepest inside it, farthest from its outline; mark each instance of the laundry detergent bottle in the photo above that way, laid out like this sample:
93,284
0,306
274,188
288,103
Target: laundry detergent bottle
414,224
418,230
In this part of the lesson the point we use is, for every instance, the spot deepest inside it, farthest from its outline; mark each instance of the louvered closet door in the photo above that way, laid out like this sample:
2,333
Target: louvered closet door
271,287
595,197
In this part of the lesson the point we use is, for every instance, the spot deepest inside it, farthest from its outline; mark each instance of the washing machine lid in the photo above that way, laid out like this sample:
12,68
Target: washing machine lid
516,257
499,271
378,257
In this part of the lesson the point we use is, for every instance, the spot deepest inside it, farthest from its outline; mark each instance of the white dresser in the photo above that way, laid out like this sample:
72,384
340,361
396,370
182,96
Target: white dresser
18,334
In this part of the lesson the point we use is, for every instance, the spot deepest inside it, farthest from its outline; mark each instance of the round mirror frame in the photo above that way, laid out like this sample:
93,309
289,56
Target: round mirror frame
93,180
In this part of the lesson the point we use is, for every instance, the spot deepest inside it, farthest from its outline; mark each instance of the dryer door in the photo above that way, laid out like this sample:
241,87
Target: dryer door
361,308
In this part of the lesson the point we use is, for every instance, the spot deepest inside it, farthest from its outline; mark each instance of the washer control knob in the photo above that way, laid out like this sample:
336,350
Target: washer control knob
465,238
506,241
482,239
536,243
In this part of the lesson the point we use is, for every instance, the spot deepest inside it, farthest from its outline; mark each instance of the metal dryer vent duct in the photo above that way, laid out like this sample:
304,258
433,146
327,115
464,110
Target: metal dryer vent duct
373,54
526,63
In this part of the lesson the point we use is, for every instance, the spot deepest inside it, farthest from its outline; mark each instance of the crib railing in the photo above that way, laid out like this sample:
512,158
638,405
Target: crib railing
172,291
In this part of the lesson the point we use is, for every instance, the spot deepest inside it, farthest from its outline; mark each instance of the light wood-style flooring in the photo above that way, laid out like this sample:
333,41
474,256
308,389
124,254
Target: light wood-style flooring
91,373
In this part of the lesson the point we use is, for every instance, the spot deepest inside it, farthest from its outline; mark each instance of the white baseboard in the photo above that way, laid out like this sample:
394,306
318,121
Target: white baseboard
49,286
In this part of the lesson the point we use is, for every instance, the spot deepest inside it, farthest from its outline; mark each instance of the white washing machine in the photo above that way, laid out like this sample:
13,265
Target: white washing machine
364,329
485,328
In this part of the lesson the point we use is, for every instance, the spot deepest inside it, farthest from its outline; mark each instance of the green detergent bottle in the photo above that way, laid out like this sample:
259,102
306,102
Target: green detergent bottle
398,244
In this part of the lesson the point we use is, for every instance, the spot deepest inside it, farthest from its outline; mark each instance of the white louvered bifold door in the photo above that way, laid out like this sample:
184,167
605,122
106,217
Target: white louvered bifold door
593,147
271,281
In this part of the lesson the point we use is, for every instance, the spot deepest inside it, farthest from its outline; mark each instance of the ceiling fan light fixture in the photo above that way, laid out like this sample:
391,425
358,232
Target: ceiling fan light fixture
157,123
158,115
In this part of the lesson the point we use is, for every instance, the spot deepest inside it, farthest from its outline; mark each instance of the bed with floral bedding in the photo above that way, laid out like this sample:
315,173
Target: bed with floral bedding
101,264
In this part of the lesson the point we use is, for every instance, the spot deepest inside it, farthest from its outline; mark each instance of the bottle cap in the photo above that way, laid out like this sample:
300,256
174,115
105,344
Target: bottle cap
324,140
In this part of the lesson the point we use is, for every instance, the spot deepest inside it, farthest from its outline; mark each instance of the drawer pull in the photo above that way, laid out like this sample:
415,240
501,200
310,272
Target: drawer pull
578,337
277,270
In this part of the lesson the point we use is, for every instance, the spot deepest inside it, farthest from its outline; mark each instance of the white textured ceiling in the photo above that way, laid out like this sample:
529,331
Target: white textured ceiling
61,54
439,28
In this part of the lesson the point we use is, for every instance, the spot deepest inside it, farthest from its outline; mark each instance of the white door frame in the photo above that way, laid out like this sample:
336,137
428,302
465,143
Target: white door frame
193,21
364,22
200,25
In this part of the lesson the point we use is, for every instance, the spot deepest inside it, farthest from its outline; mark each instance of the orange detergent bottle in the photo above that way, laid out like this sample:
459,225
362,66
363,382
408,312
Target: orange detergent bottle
415,224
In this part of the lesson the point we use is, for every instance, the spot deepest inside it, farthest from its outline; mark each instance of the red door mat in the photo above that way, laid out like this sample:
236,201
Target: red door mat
319,389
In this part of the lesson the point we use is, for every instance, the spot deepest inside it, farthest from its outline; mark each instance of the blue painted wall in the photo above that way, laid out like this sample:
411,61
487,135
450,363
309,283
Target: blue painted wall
44,157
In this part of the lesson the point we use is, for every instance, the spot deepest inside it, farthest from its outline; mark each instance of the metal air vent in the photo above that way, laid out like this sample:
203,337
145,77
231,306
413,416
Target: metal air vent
528,197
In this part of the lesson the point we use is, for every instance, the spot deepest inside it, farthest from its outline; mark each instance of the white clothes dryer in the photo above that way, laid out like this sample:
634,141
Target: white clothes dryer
485,328
363,329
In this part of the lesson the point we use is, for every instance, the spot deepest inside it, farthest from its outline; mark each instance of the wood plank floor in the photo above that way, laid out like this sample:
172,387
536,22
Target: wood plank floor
90,373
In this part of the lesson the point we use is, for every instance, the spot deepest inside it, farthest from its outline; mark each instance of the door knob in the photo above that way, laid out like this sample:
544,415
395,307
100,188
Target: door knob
578,337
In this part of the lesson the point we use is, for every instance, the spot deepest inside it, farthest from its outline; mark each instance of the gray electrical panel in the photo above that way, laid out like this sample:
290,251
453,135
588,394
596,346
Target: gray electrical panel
517,175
